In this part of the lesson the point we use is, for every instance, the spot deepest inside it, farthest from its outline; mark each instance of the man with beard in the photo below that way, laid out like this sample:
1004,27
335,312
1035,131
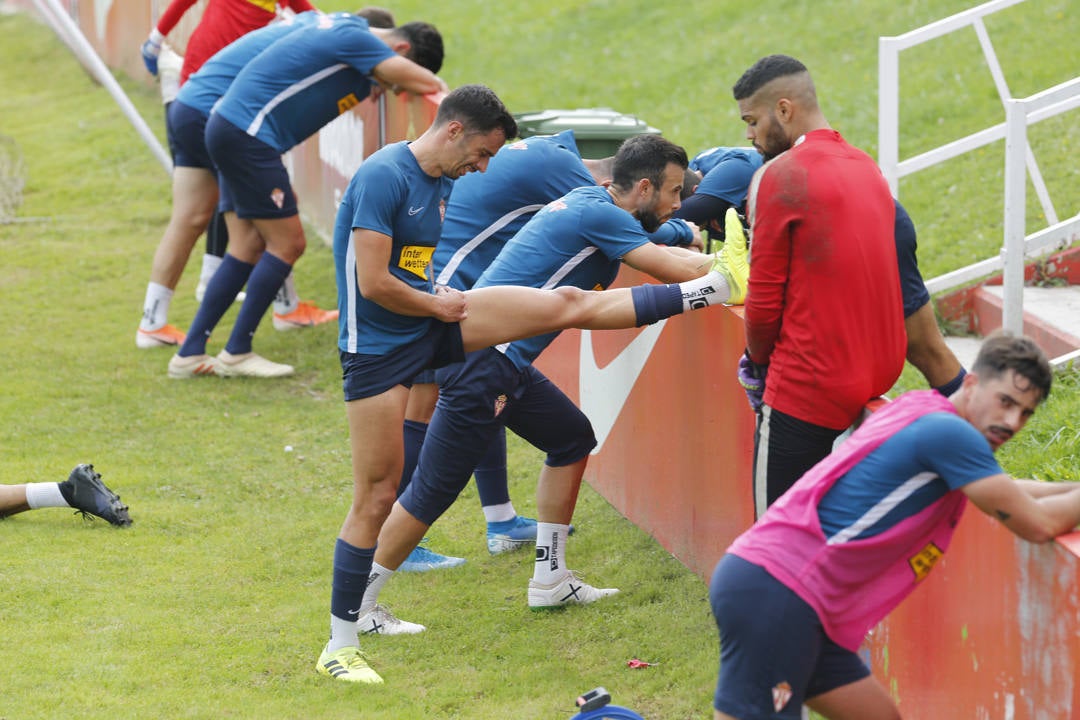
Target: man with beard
576,241
824,316
394,324
795,595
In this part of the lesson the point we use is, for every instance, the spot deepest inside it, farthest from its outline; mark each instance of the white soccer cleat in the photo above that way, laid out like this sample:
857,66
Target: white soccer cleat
182,368
569,590
250,365
380,621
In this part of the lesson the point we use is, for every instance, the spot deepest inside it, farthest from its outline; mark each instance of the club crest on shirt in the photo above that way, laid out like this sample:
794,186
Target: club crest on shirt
923,561
442,209
278,196
781,696
555,205
519,145
500,404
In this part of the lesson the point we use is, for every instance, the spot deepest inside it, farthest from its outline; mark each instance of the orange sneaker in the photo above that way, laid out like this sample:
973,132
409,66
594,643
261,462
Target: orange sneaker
163,336
305,315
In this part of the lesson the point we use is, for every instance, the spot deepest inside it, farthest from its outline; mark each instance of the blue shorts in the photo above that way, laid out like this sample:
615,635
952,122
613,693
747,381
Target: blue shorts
477,398
251,172
365,376
186,127
771,644
912,288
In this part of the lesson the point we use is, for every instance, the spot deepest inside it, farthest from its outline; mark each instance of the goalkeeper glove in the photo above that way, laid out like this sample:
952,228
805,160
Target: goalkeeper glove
752,379
150,51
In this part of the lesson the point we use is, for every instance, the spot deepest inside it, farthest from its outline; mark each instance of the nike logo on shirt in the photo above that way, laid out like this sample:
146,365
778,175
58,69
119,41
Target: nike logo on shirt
414,211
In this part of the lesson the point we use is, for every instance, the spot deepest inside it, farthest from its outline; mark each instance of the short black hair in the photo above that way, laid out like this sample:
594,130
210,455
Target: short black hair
765,71
377,17
645,156
425,44
1002,351
478,108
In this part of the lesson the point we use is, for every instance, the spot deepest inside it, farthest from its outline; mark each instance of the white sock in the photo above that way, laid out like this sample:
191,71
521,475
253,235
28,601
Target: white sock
287,299
342,634
46,494
376,579
711,287
210,264
499,513
550,552
156,307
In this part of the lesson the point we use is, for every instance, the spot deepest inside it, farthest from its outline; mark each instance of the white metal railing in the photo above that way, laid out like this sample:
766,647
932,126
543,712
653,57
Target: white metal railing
1020,162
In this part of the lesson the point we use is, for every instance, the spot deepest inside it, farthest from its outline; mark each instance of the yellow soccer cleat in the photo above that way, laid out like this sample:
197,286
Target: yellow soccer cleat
732,261
348,664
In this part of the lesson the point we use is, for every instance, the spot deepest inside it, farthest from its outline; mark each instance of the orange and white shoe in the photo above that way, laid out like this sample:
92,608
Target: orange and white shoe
305,315
182,368
164,336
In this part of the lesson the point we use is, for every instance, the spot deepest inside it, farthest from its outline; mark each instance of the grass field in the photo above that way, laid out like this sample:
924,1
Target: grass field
214,604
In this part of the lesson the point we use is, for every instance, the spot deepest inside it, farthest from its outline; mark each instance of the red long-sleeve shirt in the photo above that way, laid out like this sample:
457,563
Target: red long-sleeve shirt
222,22
823,308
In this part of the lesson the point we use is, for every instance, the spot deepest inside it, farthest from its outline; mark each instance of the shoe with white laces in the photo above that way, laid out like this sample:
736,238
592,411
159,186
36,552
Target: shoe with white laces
164,336
90,496
305,315
250,365
422,560
380,621
348,664
182,368
568,590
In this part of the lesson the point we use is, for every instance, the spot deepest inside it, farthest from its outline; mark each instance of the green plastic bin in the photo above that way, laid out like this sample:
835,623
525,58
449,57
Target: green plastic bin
599,131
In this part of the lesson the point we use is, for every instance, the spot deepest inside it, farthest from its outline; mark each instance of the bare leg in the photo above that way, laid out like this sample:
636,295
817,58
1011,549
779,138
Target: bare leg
245,243
195,193
864,699
13,500
422,399
375,440
284,237
926,348
400,534
557,492
535,312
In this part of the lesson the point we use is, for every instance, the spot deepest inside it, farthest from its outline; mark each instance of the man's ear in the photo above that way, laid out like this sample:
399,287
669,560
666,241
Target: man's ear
454,129
785,110
642,186
401,47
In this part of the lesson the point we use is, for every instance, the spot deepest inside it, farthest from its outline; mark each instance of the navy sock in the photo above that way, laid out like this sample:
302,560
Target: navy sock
352,565
490,473
414,434
265,281
656,302
220,294
953,385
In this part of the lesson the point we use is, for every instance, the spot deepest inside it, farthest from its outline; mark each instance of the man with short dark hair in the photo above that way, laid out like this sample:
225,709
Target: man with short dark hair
823,312
285,94
579,240
796,594
394,324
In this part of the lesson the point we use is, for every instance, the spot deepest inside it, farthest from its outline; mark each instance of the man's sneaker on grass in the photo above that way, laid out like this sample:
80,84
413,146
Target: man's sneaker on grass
182,368
250,365
85,492
380,621
503,537
422,560
305,315
164,336
348,664
570,590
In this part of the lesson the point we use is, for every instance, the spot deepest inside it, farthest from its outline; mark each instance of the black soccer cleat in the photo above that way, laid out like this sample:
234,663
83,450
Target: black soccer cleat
89,496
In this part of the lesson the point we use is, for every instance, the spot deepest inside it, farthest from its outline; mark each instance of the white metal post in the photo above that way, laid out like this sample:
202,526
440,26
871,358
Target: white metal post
889,111
1015,214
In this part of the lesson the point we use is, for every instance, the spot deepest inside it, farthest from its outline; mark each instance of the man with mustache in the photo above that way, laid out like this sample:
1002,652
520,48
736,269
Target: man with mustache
796,594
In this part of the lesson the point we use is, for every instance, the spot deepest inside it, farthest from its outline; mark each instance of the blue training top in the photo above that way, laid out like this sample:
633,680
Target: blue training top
727,172
487,209
206,86
937,453
577,240
392,195
304,80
